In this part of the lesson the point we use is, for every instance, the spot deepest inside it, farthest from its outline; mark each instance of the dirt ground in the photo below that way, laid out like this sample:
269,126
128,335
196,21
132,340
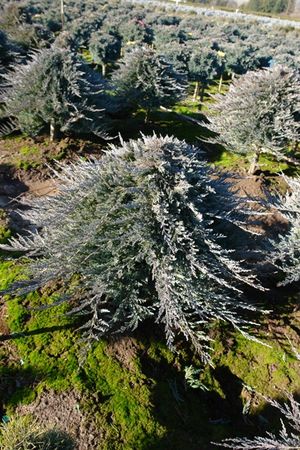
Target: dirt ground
62,412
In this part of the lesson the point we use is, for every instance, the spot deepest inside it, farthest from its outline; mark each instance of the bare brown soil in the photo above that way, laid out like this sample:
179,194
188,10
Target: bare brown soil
125,350
30,161
62,411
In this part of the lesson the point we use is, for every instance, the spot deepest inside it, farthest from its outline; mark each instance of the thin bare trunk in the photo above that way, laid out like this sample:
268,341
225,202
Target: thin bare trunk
147,115
52,130
103,70
220,83
254,163
196,91
202,96
62,13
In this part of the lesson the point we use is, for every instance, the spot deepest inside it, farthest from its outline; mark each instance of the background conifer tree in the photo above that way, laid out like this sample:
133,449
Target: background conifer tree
55,91
146,80
259,114
287,249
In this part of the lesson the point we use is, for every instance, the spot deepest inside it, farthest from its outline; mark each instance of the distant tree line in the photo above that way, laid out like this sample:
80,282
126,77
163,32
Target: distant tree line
271,6
261,6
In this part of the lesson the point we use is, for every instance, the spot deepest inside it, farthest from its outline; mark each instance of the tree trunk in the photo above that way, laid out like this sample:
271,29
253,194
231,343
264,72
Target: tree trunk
202,95
196,91
62,13
147,115
103,70
52,130
254,163
220,83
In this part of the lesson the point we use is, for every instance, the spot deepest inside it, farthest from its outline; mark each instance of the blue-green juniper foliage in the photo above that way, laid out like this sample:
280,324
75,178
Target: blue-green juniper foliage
141,227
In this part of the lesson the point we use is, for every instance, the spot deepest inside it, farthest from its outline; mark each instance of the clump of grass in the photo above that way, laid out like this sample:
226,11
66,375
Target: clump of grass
24,433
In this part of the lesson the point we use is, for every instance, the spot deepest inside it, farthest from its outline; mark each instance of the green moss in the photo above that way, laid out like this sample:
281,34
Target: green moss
28,150
50,350
10,271
23,395
231,160
5,234
147,405
210,382
269,164
17,315
48,345
125,413
234,161
26,165
159,350
265,368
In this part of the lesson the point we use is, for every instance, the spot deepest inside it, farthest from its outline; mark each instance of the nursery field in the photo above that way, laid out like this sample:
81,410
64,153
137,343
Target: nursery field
149,229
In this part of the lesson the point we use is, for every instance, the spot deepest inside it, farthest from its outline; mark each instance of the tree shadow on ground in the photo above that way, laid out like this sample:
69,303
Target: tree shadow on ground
38,331
10,186
16,385
193,419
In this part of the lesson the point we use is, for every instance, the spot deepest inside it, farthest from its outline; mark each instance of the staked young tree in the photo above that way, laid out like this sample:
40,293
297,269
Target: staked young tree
135,31
204,65
54,90
141,228
62,13
104,48
16,21
286,250
176,54
146,80
287,58
243,57
165,35
258,114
